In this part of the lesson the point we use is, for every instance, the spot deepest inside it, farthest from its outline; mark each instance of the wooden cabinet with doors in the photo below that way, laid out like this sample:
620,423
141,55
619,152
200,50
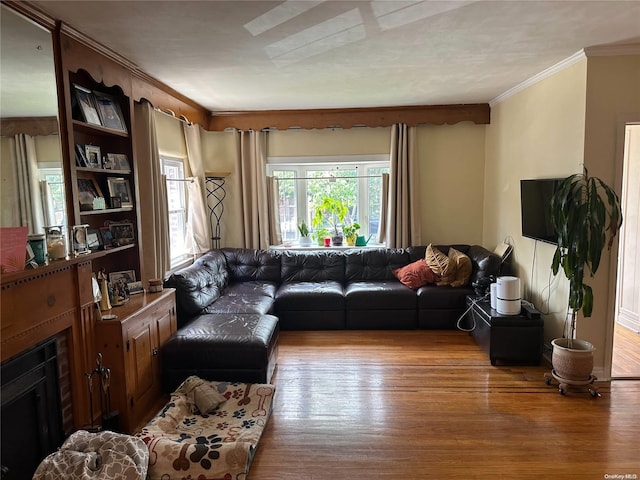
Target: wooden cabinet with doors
131,348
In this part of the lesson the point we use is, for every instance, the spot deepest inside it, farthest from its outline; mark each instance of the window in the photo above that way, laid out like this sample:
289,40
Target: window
304,182
54,177
173,168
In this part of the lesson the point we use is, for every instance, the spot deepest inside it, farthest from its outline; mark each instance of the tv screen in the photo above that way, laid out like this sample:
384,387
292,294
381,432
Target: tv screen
535,197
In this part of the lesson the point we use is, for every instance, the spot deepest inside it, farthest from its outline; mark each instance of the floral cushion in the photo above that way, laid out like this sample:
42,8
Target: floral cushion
220,444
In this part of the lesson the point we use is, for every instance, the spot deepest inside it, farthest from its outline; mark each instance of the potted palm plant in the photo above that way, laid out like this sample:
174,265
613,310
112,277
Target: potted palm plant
333,212
584,211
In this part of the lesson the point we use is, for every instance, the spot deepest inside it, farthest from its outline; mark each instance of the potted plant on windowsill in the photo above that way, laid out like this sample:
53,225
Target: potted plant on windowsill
305,239
331,211
583,211
350,233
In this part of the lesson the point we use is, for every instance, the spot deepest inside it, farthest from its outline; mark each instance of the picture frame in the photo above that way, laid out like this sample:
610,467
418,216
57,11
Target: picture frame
86,105
126,276
94,239
107,238
119,187
123,233
92,155
81,159
88,190
109,111
120,161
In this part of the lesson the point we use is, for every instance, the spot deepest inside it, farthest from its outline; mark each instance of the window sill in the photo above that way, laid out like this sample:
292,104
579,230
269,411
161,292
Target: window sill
287,247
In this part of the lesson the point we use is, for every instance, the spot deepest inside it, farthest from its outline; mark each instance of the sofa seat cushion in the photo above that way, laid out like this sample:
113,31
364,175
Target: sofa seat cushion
232,341
384,295
304,296
267,289
432,297
250,303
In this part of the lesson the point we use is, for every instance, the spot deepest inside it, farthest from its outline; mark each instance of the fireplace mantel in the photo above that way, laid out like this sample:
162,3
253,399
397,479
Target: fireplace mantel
41,303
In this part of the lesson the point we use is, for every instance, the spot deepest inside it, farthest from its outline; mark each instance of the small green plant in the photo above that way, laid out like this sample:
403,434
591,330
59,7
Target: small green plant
319,235
350,232
303,229
331,211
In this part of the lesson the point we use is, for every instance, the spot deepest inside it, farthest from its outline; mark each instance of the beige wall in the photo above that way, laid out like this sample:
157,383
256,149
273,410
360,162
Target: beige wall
449,155
537,133
451,173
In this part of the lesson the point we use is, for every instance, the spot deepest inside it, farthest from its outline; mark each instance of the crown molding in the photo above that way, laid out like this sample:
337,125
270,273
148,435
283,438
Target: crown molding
558,67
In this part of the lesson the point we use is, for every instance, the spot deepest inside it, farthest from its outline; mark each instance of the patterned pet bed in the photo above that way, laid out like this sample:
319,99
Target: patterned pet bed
103,455
207,431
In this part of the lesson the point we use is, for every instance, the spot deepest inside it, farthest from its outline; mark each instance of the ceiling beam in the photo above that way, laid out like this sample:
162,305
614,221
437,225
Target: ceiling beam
351,117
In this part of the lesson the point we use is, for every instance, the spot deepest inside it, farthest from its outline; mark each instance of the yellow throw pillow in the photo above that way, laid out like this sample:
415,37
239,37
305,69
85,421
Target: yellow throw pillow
463,267
441,265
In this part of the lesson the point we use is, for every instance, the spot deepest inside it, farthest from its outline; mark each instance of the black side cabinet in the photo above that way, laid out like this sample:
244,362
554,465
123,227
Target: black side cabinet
508,339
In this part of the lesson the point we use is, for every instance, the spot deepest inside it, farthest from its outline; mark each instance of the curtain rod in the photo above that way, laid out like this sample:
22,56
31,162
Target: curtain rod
331,179
171,114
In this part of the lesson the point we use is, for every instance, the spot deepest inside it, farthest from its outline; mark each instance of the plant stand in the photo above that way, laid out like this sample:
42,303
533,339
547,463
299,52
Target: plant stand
565,383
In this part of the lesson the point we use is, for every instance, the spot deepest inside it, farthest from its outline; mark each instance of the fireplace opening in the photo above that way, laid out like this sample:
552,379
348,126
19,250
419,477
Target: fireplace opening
31,414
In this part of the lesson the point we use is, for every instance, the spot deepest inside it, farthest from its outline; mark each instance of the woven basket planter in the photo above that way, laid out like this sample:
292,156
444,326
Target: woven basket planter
575,363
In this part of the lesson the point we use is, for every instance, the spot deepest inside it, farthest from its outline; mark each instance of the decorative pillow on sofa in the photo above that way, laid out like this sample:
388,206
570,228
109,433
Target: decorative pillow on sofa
416,274
463,267
441,265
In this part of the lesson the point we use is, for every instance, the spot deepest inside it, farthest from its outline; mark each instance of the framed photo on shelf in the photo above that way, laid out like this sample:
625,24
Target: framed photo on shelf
107,238
88,190
81,159
94,239
122,232
109,111
86,105
119,161
119,187
92,154
126,276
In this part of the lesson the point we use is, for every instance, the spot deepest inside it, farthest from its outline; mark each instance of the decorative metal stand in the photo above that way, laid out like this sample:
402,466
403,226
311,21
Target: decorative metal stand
215,196
110,419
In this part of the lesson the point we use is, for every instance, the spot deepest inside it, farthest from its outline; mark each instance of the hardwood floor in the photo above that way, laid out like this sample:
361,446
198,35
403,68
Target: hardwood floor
427,404
626,353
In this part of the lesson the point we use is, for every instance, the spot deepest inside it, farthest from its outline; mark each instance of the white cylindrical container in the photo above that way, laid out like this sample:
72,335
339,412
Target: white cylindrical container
494,295
508,295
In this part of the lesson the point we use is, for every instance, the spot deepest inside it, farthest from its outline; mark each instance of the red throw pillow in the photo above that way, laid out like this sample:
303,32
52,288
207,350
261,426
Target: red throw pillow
416,274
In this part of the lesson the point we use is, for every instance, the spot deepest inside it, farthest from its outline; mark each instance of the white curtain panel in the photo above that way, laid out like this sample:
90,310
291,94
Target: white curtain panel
152,190
251,158
197,212
28,200
403,215
47,203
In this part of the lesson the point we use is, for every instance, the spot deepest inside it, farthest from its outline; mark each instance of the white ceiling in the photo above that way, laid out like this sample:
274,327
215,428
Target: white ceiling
257,55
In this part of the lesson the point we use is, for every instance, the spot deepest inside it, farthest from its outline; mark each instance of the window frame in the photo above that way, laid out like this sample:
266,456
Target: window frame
184,257
301,164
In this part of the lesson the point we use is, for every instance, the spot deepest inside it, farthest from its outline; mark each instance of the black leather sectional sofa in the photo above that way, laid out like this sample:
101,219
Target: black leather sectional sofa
233,302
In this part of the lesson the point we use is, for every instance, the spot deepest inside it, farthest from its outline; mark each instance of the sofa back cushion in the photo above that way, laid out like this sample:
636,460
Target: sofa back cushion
314,266
484,262
374,264
247,264
199,284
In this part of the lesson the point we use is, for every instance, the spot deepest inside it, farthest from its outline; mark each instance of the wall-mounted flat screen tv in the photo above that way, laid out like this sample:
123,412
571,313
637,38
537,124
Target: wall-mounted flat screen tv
535,198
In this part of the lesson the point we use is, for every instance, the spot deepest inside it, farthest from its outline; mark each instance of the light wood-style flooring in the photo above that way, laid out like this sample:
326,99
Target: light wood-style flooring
428,405
626,353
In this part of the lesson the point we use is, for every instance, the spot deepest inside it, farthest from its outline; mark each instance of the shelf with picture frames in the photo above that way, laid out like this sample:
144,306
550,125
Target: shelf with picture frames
102,169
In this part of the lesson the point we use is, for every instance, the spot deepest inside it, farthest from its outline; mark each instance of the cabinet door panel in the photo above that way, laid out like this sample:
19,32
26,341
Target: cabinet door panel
142,346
